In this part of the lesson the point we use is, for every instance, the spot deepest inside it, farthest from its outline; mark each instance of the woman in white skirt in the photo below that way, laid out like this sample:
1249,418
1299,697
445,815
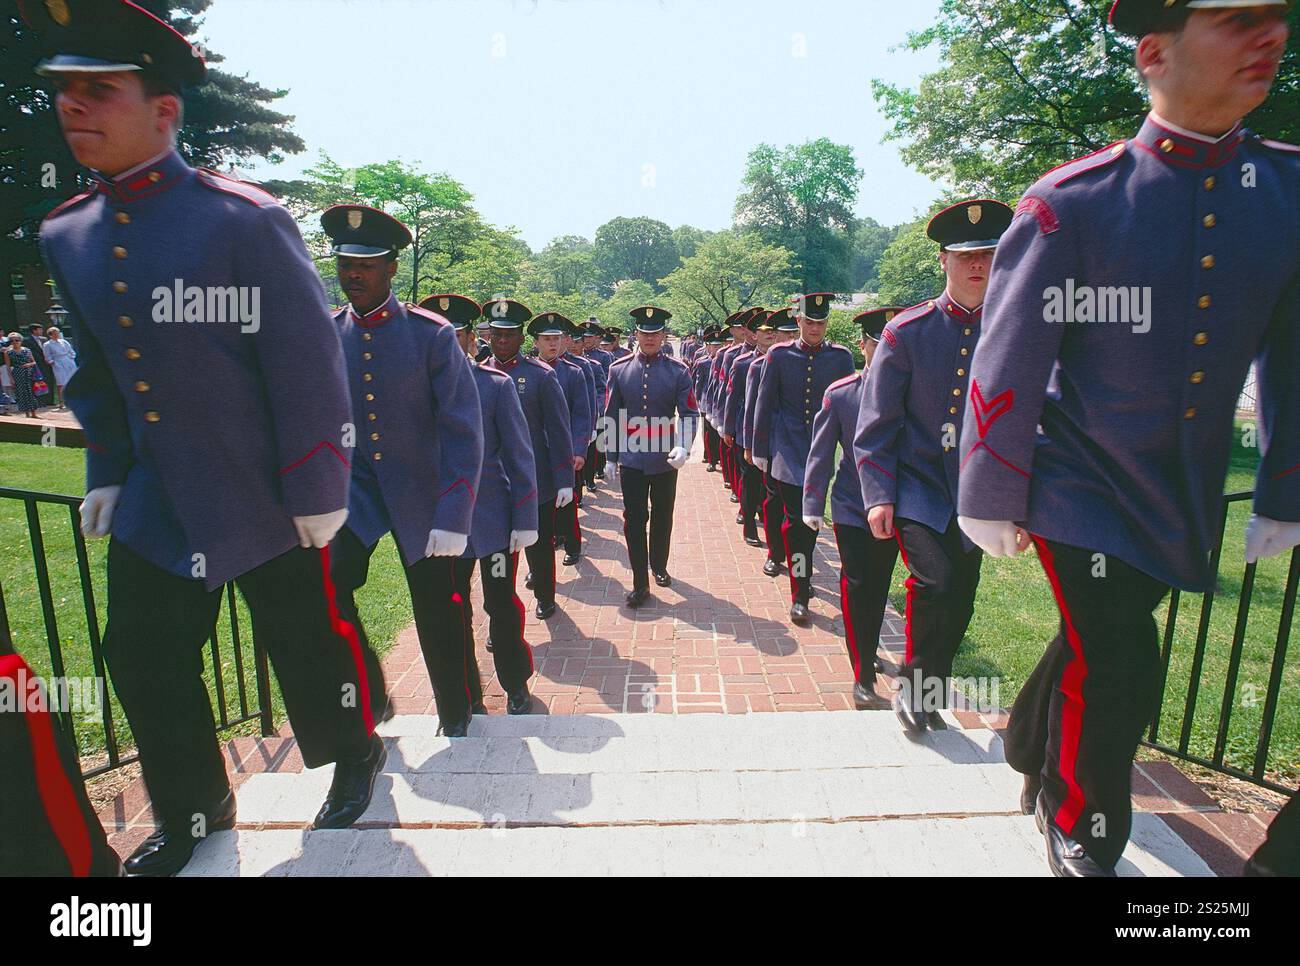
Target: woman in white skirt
62,359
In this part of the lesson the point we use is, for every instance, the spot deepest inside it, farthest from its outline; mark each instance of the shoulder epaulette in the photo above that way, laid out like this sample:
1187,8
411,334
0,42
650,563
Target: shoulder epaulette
1277,145
621,360
413,309
492,370
1089,162
67,205
538,362
844,382
337,313
918,311
233,186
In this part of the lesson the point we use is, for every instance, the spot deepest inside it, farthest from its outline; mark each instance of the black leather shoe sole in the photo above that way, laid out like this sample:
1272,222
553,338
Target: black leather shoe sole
344,806
570,559
772,569
519,703
867,699
543,611
638,597
799,614
456,729
913,722
168,850
711,468
753,541
740,519
733,498
528,581
663,580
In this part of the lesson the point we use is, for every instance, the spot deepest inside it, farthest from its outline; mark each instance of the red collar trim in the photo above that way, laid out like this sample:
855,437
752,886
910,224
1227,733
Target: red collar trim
379,316
145,182
1182,151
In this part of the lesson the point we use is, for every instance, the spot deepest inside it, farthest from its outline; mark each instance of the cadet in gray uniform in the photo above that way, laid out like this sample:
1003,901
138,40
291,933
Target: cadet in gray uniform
1105,439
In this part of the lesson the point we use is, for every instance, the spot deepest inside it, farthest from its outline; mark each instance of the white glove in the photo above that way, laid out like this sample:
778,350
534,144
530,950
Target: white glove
319,529
522,538
564,496
444,543
997,538
677,457
813,523
761,463
1265,537
593,437
97,510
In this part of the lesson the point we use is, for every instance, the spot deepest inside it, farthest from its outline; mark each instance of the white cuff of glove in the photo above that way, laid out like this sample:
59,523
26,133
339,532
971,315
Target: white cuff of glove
593,436
97,510
1266,537
997,538
564,496
444,543
677,457
519,539
761,463
319,529
813,523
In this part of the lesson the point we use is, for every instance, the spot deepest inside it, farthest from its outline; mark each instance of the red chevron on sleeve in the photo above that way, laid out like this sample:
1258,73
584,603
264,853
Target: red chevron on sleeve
988,412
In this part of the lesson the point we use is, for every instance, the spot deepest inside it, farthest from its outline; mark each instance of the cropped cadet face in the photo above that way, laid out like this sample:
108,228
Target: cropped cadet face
506,343
765,338
813,331
366,281
110,122
968,275
1218,68
590,342
465,337
549,347
738,333
868,347
649,342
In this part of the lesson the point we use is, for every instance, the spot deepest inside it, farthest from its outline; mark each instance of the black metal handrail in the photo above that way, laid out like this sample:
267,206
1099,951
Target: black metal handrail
258,709
1256,773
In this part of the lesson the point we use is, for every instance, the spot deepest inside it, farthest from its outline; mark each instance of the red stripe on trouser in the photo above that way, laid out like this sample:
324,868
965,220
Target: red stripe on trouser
789,560
1071,688
519,606
464,629
349,634
62,809
910,584
850,635
707,449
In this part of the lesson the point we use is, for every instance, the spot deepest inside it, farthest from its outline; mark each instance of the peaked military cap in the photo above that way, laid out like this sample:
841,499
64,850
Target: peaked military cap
359,231
1138,17
456,309
873,322
614,330
970,225
97,36
783,320
506,313
650,318
761,319
551,323
744,315
715,336
815,305
591,327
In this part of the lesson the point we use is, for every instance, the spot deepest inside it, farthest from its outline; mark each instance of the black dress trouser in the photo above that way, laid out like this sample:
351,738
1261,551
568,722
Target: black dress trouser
751,495
799,540
1080,715
510,652
430,581
773,518
158,625
866,569
541,555
647,499
944,576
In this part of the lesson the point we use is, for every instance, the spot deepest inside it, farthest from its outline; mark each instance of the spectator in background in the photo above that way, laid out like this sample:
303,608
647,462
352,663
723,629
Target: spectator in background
35,342
62,358
6,379
22,363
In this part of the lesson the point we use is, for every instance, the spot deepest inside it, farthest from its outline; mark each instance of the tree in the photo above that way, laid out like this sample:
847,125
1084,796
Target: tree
633,248
627,295
909,268
802,198
870,239
688,239
730,271
228,119
1026,86
565,266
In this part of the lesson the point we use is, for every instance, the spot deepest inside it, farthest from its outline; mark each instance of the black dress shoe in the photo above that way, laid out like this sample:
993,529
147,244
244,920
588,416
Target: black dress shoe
1029,794
543,611
712,468
351,788
799,614
880,668
382,712
528,581
733,498
867,699
488,645
740,519
753,541
1065,857
772,569
638,597
935,721
726,485
664,579
914,722
571,558
478,707
458,728
169,849
519,702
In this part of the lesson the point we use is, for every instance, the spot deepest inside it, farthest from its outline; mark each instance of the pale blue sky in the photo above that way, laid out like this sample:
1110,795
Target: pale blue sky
561,114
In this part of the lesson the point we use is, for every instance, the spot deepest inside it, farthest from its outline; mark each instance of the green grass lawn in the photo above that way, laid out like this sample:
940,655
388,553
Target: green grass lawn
1016,617
384,601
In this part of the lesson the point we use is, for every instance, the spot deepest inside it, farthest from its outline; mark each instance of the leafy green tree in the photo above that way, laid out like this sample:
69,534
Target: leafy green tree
633,248
565,266
688,239
802,198
909,268
729,271
627,295
1028,85
230,119
870,239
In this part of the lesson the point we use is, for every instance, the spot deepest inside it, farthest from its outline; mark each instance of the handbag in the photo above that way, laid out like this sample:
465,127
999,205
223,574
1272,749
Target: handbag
40,387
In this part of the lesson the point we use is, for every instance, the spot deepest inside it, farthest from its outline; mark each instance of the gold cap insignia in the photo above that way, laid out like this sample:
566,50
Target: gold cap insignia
354,219
819,300
889,316
975,213
649,313
59,12
444,303
146,57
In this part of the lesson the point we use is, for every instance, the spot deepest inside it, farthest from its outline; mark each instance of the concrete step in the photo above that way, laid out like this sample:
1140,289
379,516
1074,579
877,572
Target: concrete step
976,846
